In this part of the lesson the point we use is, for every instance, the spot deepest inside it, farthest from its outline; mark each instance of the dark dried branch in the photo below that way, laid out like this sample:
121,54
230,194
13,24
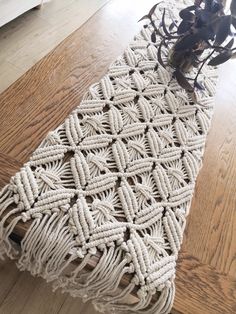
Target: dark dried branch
202,26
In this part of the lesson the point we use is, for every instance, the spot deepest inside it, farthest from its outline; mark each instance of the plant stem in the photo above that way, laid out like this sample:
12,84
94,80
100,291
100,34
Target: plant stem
219,47
202,65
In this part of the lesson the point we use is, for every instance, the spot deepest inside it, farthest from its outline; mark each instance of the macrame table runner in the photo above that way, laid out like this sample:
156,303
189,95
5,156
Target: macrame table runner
116,178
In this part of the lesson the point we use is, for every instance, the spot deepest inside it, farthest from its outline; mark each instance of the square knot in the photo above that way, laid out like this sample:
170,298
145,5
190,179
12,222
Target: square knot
145,190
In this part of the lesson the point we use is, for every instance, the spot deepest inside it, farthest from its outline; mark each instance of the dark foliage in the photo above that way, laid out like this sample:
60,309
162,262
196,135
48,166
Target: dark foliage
182,80
202,26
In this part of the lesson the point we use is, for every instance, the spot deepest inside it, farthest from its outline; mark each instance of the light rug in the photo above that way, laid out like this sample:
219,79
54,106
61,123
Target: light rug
115,180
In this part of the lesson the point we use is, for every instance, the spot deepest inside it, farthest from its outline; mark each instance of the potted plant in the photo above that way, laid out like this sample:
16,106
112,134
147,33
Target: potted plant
204,35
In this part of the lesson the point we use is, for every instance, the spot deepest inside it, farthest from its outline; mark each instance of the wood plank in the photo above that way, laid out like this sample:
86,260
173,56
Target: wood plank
194,282
47,93
211,232
9,274
31,295
42,299
9,74
72,306
57,23
27,39
201,289
11,9
8,167
21,291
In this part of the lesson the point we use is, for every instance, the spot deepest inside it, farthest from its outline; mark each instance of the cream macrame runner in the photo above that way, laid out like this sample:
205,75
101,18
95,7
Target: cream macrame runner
115,180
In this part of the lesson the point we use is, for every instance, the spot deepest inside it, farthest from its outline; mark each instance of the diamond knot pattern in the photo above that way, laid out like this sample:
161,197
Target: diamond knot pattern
116,178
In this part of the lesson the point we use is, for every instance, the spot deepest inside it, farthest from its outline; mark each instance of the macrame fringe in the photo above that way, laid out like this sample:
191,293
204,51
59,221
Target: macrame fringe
101,286
48,250
46,246
6,228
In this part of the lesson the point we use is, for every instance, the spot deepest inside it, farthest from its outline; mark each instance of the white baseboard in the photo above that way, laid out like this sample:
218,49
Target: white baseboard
10,9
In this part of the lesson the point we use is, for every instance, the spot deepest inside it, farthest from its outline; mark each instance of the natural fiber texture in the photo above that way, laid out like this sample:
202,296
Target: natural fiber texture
114,180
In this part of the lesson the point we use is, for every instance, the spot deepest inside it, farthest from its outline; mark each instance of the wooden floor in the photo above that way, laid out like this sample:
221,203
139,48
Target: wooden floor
27,39
43,97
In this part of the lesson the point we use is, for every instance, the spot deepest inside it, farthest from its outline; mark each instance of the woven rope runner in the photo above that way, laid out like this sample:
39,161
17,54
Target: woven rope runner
114,180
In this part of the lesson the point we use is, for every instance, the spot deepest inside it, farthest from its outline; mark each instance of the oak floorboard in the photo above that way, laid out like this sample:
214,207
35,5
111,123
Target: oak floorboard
31,295
200,289
9,274
48,92
211,231
29,37
8,167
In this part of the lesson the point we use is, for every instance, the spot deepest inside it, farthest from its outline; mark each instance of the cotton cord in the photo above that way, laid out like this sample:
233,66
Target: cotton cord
115,180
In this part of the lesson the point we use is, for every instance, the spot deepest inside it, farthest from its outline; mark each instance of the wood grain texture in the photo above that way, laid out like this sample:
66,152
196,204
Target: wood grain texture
47,93
31,295
9,276
8,167
27,39
213,214
201,289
